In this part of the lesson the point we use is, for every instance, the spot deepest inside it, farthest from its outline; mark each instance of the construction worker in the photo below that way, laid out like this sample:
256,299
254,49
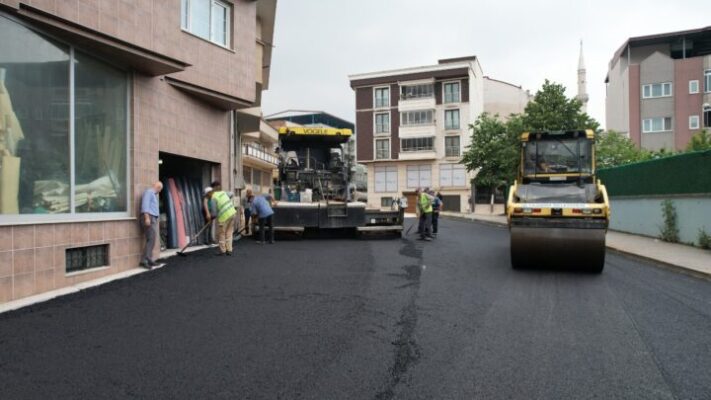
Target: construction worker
436,208
424,205
225,211
262,210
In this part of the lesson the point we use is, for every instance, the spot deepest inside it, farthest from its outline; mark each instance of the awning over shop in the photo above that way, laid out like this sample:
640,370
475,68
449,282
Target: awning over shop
217,99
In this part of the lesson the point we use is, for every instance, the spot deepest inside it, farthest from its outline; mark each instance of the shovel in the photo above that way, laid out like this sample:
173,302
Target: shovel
197,235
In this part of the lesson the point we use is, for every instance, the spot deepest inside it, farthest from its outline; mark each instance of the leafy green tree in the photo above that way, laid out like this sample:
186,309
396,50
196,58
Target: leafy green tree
613,149
493,150
495,144
550,109
700,141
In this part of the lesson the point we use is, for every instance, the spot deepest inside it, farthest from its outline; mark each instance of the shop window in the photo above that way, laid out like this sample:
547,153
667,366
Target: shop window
419,176
100,136
41,82
385,179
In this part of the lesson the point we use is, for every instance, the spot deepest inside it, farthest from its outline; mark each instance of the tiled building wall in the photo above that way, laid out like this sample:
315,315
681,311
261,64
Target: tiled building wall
32,257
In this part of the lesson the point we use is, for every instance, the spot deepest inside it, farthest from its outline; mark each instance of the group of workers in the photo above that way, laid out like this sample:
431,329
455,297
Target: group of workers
429,205
219,210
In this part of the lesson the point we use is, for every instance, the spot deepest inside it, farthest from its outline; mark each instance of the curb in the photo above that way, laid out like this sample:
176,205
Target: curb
662,264
655,262
76,288
476,220
14,305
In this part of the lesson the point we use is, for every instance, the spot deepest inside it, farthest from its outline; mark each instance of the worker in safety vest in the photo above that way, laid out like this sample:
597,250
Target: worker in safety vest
225,214
424,206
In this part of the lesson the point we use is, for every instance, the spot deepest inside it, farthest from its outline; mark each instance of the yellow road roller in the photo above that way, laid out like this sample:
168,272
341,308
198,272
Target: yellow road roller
557,210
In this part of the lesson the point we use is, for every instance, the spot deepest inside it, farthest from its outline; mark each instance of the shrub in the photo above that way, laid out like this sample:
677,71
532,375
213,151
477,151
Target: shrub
704,239
669,232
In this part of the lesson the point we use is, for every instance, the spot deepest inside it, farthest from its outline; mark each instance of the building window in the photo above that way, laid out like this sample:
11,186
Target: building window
451,119
707,80
382,97
414,118
451,146
417,144
208,19
452,175
49,165
693,122
382,123
386,179
419,176
693,87
247,174
386,202
451,92
382,149
417,91
657,124
256,181
657,90
707,117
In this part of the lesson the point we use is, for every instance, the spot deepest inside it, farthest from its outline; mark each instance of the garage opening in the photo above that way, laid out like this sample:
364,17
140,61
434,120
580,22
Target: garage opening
181,201
452,202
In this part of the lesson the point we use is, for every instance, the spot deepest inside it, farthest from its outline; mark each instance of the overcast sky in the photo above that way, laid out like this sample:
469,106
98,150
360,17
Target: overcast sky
318,43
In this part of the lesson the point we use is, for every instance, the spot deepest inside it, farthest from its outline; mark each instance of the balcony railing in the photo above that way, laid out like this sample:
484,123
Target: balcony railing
259,154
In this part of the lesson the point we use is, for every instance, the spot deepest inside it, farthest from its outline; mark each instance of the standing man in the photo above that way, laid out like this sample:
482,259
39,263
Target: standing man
225,212
149,222
262,209
247,205
424,204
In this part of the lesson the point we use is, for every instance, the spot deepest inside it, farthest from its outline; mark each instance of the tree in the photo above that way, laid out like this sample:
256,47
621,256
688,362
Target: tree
551,110
493,150
613,149
700,141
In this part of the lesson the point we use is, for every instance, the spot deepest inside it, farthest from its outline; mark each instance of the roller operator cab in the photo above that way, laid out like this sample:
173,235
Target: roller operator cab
557,210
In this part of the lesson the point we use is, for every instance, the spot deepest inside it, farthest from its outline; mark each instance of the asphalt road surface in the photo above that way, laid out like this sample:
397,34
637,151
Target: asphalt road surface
368,319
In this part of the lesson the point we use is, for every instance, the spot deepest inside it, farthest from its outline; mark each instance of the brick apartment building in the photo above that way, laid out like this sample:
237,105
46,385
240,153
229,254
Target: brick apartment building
659,88
98,100
413,126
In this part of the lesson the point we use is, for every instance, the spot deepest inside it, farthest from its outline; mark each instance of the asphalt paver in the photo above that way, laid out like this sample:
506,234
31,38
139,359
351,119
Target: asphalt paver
368,319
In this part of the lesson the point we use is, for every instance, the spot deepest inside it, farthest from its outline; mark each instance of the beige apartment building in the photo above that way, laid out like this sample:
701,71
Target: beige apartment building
98,100
413,123
659,88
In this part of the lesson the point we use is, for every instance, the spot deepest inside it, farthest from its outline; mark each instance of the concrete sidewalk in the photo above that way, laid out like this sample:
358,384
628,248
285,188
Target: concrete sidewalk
686,259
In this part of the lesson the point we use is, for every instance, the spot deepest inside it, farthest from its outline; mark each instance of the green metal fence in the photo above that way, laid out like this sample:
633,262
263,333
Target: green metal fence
688,173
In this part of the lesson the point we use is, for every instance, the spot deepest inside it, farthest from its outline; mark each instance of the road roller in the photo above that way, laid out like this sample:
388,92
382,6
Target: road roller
557,210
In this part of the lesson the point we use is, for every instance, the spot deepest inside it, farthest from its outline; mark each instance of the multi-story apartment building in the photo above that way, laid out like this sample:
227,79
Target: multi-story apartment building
413,126
99,99
659,88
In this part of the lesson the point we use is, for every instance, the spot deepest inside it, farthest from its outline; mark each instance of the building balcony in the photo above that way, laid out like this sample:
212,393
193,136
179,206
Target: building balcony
413,131
429,154
416,103
258,157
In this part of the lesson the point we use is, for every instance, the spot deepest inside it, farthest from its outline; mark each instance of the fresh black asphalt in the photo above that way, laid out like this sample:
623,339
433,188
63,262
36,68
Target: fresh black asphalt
368,319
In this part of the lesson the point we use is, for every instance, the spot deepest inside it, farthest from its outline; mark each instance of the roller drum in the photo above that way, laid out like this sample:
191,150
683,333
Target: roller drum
556,247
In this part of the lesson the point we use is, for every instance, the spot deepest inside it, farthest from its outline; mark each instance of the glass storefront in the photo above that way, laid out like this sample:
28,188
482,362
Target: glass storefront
63,128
